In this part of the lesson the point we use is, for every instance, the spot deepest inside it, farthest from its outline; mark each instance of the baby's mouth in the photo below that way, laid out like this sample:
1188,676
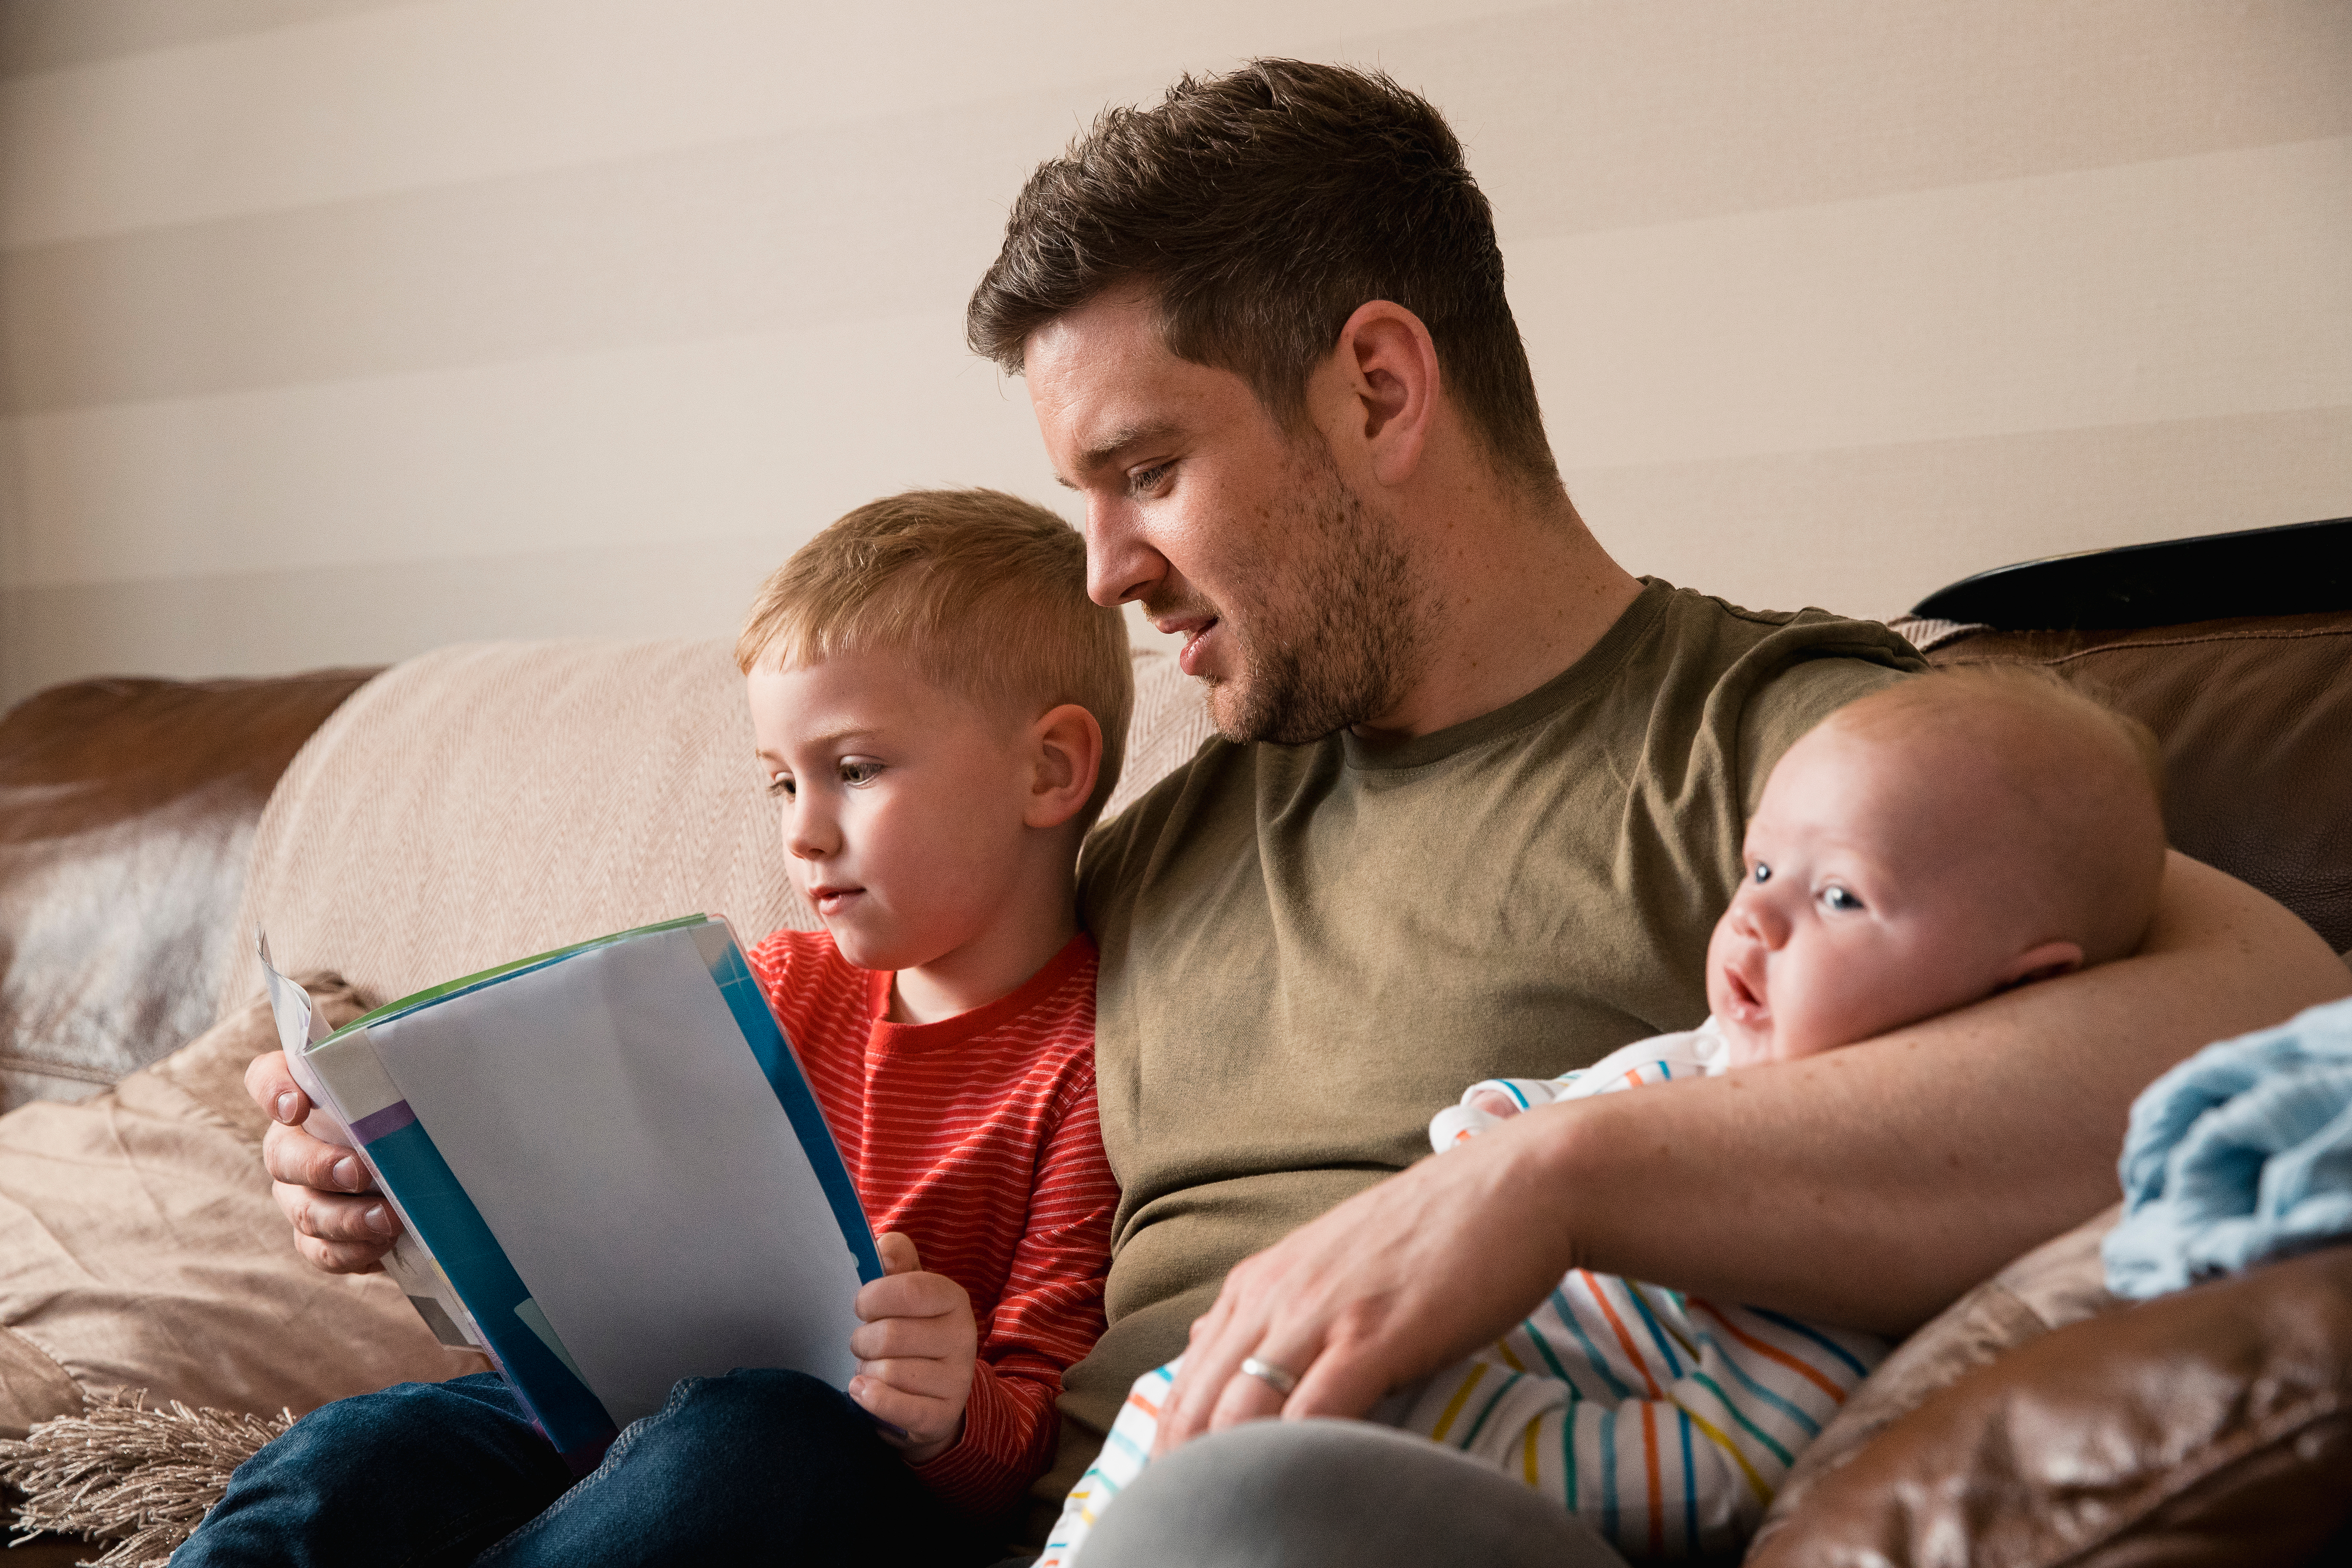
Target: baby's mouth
1745,1004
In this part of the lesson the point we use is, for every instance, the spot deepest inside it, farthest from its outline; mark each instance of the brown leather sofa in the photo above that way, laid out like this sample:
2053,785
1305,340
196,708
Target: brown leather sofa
2038,1422
127,808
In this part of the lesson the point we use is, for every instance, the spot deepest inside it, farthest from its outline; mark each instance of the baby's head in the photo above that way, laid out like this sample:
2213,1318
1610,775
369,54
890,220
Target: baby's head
940,710
1933,843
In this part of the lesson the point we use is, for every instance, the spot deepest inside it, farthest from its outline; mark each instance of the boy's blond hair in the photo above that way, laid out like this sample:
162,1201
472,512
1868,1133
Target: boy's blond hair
986,592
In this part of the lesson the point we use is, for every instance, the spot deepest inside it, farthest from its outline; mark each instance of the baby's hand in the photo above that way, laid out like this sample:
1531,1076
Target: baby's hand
915,1353
1494,1103
1480,1109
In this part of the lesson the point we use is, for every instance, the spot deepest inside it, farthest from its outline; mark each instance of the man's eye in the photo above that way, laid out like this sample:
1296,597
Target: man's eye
1840,899
859,770
1761,873
1143,482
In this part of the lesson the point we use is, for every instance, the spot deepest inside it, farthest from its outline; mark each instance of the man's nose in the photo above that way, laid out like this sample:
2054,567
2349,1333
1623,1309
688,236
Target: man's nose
1120,566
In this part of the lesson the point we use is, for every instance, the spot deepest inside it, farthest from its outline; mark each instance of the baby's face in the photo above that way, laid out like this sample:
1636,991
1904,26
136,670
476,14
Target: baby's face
901,803
1865,905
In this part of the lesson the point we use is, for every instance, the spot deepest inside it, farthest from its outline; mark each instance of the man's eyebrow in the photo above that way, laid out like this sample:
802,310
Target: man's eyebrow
1119,440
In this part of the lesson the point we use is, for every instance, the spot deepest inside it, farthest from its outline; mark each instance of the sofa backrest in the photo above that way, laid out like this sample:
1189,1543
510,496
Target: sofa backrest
486,800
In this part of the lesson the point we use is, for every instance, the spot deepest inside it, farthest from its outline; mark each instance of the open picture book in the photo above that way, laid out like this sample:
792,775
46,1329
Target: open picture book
611,1169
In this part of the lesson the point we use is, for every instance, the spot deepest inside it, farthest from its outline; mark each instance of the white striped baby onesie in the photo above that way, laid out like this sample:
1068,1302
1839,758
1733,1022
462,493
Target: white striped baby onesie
1664,1421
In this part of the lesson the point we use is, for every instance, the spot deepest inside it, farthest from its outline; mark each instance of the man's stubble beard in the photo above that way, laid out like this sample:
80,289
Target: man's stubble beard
1334,639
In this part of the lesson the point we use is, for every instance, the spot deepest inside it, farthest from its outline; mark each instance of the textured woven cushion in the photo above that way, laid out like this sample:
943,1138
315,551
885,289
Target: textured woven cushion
140,1249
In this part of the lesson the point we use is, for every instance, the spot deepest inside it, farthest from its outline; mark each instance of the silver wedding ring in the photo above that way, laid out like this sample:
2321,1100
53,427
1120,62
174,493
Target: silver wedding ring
1280,1379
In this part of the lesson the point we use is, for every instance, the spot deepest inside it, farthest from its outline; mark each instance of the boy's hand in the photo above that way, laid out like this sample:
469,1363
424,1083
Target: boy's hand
341,1222
915,1353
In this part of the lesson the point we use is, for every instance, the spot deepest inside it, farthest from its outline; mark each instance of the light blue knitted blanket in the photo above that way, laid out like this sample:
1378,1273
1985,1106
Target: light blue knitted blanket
2242,1152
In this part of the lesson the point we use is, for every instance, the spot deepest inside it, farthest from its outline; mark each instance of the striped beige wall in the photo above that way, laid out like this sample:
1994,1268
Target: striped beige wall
333,330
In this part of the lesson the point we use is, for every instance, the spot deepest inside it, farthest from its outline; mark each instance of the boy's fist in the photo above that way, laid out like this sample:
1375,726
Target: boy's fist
915,1353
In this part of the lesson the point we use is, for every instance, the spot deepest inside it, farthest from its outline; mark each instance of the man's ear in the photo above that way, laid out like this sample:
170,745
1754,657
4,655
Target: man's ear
1387,364
2047,961
1066,749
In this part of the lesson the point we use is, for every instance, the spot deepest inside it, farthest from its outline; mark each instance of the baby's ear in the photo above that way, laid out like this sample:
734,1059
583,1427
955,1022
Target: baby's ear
2047,961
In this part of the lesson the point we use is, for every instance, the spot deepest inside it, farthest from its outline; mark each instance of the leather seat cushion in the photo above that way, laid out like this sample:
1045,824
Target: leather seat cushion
127,809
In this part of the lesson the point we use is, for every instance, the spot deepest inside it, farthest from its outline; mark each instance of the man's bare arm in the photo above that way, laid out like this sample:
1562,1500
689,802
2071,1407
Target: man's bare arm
1867,1186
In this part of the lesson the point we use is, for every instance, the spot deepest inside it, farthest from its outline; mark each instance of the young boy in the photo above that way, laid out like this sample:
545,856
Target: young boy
940,713
1939,841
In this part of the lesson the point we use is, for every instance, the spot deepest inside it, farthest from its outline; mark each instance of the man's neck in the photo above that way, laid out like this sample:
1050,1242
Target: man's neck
1517,590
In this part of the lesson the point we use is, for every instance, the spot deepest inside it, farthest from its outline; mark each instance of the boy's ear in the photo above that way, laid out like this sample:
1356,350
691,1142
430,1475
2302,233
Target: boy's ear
2047,961
1068,746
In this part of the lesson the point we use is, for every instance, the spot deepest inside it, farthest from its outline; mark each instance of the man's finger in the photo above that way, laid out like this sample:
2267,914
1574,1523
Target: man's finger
342,1256
290,1154
338,1216
1214,1361
274,1090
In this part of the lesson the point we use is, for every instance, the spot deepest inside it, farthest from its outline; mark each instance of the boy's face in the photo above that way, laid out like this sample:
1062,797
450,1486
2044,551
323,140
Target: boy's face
902,804
1873,898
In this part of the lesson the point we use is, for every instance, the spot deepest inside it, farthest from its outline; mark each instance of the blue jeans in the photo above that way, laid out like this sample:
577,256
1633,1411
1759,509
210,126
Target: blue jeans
758,1467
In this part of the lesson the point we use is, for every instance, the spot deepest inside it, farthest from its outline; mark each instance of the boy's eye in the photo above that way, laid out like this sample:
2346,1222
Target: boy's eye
780,784
1840,899
859,770
1761,873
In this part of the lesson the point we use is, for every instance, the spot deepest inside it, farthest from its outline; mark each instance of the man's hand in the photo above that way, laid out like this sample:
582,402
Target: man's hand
915,1353
341,1222
1390,1285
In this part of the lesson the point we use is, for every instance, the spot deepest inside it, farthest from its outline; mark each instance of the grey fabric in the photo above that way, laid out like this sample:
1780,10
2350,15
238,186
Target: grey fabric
1334,1494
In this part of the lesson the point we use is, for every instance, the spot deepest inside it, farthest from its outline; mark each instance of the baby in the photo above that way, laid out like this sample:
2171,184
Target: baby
1944,840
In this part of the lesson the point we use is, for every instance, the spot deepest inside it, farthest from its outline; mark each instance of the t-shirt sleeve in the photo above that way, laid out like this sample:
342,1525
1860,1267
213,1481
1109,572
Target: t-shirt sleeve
1792,703
1049,1316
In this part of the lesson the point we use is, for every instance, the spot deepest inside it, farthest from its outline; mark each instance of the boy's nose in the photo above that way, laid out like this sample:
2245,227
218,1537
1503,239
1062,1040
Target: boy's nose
808,835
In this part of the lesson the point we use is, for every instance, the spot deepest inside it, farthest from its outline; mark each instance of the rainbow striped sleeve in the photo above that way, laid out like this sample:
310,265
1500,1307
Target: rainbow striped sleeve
1665,1421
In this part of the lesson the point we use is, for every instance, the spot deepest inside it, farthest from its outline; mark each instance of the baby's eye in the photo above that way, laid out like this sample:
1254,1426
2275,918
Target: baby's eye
856,771
1840,899
780,784
1762,872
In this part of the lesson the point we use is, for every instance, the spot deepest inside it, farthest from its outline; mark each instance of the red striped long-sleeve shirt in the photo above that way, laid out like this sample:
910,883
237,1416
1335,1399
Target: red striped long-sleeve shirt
978,1137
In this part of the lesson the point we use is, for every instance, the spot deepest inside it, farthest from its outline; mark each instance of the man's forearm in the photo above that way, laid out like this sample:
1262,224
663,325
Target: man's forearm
1871,1185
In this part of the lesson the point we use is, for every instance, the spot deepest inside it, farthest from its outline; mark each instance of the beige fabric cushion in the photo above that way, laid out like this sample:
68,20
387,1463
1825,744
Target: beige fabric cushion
489,801
140,1249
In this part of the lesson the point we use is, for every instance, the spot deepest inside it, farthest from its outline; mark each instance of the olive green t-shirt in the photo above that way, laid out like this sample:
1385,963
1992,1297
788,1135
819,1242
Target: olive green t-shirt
1307,950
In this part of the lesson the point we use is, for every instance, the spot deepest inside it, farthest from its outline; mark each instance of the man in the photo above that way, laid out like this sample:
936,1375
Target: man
1478,799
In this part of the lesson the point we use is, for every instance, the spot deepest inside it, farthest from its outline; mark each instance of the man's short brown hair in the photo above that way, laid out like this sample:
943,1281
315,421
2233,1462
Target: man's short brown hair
984,592
1260,208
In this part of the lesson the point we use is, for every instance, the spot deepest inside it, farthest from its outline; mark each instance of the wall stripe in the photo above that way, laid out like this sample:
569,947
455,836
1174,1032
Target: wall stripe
488,318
